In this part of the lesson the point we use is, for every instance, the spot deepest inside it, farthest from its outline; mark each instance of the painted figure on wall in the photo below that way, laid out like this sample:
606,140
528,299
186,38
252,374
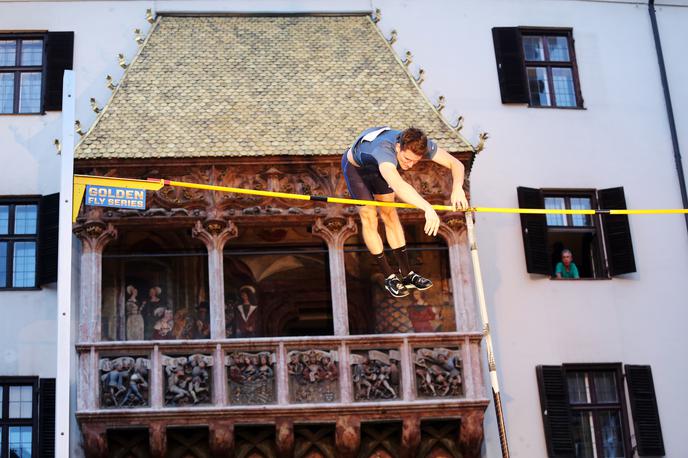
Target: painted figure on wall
135,323
202,328
246,318
162,330
422,315
149,306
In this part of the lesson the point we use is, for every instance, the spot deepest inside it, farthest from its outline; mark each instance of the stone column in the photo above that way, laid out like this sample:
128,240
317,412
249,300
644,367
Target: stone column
94,236
348,436
284,430
221,438
335,231
215,233
471,433
410,437
157,439
454,233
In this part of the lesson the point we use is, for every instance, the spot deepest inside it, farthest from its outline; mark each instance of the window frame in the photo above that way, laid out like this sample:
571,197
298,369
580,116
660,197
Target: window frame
6,422
572,63
17,69
11,238
617,368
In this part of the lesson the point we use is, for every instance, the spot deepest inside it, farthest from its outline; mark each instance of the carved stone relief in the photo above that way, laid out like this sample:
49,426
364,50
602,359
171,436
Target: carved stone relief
187,379
124,382
439,372
251,377
313,376
375,375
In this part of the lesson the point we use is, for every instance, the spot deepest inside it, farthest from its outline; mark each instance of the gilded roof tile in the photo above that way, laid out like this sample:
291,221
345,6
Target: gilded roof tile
259,85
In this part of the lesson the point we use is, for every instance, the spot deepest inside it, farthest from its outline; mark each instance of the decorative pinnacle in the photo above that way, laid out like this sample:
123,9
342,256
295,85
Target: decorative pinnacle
459,124
138,37
122,62
149,16
58,146
408,59
482,137
421,77
94,105
392,38
77,128
440,103
110,83
377,16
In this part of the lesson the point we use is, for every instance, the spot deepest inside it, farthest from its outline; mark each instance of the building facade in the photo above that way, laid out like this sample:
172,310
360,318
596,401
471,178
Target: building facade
219,324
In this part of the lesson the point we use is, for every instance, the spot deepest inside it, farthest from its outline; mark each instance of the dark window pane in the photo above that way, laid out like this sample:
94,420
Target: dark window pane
25,219
583,434
609,423
581,203
8,53
4,218
32,53
30,93
605,387
578,387
3,265
539,87
533,48
20,441
6,92
555,203
24,271
558,49
563,87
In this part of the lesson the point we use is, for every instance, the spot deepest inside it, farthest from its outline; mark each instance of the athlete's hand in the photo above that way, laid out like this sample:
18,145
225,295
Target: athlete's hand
458,199
432,222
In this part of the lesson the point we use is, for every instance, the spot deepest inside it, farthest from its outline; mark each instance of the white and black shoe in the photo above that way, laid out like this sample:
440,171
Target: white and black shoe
415,281
395,286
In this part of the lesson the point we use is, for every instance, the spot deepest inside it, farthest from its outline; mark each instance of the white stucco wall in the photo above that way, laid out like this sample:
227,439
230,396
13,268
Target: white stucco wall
620,139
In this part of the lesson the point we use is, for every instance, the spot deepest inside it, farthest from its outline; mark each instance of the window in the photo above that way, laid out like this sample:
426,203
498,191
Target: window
18,243
585,414
31,70
537,66
18,416
598,246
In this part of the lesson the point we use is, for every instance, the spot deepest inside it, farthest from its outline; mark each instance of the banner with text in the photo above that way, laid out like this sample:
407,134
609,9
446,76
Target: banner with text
108,196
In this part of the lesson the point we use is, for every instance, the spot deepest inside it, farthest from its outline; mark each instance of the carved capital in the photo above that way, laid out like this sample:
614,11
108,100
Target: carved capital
221,438
471,433
95,235
452,228
285,437
348,436
214,232
94,440
335,231
410,437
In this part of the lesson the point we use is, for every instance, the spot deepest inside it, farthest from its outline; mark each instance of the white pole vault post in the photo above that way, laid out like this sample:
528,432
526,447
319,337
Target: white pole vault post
492,365
64,270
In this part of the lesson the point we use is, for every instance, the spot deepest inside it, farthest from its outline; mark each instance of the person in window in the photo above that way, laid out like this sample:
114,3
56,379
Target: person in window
371,170
566,268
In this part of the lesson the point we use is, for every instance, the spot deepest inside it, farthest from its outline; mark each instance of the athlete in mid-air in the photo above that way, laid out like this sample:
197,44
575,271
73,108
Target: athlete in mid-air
371,169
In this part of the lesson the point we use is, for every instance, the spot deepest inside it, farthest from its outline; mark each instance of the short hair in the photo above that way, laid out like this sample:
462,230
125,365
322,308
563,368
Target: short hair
566,250
415,140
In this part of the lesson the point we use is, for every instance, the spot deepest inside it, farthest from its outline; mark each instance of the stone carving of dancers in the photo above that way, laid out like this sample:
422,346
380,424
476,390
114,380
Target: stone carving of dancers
135,323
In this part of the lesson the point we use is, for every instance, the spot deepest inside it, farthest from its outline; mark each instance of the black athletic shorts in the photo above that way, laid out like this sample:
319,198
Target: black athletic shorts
363,182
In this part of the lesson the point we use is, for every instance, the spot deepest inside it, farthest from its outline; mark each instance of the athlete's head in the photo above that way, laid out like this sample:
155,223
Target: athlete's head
412,146
566,257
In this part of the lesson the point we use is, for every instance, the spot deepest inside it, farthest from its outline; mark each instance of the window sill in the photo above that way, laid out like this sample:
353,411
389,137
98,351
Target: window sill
579,279
31,288
557,108
38,113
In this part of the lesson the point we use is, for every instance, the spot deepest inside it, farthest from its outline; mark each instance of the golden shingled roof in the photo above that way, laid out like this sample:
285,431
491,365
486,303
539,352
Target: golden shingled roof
210,86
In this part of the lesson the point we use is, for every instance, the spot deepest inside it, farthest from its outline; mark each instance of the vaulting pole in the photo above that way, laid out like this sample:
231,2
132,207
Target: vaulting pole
491,364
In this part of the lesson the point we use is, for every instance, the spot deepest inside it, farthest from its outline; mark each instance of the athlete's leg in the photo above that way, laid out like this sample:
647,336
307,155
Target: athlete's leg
393,228
371,237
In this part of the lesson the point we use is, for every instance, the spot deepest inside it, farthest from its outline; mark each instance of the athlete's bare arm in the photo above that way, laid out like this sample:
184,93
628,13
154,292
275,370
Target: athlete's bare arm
458,197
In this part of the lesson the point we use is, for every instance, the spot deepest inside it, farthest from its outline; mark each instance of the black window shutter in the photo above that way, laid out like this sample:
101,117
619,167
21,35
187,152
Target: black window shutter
59,50
46,418
534,228
510,66
556,414
48,237
617,232
641,392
